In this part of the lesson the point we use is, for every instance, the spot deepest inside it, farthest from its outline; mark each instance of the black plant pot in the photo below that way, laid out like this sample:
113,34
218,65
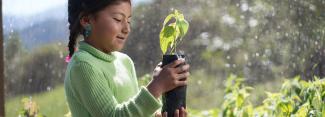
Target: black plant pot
176,98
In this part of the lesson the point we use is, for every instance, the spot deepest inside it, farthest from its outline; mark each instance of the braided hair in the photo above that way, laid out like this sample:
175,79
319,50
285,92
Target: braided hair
80,8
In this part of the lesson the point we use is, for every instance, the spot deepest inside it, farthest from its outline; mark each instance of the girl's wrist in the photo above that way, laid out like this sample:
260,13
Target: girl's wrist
154,90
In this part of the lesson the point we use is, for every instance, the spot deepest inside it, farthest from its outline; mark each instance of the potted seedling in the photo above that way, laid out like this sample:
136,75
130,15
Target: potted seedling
174,29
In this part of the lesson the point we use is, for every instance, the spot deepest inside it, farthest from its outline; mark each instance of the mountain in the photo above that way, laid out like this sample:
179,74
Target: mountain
48,26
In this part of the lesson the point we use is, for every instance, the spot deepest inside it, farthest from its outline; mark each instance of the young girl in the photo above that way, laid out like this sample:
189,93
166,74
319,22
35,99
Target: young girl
102,82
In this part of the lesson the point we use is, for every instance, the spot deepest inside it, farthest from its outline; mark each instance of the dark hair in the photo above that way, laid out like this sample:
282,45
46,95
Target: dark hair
79,8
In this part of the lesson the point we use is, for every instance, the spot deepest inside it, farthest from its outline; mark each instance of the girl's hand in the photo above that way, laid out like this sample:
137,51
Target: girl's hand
181,113
168,77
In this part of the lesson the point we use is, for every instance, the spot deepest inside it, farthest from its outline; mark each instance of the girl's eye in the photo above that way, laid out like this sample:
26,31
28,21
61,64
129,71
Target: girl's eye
117,20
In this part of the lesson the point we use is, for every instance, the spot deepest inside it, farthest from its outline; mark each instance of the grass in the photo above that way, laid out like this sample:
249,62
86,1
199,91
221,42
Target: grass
51,104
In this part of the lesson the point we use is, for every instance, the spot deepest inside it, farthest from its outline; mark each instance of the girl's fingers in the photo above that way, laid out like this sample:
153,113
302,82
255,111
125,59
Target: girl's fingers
182,68
157,69
165,114
176,114
182,76
158,114
183,112
181,83
174,64
159,64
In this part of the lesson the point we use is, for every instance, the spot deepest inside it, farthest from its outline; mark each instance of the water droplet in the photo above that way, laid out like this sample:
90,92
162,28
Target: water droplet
48,88
199,82
257,54
244,7
227,19
227,65
252,22
245,57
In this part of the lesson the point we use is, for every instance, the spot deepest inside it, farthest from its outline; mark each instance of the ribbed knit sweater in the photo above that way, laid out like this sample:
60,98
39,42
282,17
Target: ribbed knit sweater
98,84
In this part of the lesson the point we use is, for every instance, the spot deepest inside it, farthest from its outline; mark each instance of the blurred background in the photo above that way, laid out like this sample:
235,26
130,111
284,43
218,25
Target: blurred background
263,41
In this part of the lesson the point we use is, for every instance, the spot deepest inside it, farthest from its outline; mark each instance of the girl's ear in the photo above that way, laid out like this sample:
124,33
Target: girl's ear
84,21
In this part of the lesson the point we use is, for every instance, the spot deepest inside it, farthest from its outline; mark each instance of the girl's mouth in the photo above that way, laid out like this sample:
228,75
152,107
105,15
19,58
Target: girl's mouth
121,37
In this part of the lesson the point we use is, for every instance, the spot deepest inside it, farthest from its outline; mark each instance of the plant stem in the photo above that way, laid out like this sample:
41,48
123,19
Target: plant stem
175,45
177,42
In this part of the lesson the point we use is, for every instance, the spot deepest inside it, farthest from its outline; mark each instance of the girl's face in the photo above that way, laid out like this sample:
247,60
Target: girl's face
110,27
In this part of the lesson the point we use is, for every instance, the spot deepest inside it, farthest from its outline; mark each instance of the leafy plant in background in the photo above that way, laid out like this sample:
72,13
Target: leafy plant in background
173,33
297,98
235,99
30,109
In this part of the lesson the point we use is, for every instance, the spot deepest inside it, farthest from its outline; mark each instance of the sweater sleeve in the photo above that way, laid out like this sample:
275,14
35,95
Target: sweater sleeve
95,94
132,69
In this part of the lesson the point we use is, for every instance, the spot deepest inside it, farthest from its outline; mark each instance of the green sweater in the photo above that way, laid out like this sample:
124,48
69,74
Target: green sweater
105,85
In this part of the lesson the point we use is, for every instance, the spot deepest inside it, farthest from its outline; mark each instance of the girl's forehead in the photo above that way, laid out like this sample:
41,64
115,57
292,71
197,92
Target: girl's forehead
123,9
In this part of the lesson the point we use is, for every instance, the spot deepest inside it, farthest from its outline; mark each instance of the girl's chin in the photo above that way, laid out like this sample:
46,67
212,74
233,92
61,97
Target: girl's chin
115,48
118,48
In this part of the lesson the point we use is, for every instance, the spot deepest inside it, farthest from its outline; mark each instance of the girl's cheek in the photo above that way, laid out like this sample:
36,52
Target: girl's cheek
110,31
107,29
115,28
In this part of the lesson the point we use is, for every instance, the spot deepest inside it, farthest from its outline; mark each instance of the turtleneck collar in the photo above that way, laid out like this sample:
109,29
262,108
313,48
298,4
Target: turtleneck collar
95,52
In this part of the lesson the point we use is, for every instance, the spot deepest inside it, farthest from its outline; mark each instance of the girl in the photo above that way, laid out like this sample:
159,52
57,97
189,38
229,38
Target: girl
102,82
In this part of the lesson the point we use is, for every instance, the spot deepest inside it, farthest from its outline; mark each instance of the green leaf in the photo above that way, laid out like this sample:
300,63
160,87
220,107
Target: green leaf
303,110
166,37
168,31
240,100
168,18
317,101
183,27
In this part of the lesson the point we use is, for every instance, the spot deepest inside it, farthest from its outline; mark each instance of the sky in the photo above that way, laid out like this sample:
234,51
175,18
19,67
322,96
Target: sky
32,7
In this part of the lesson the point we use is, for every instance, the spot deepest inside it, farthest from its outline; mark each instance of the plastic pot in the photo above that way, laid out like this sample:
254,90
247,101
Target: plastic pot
176,98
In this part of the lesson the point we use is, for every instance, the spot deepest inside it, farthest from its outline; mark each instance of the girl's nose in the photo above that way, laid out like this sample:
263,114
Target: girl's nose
126,28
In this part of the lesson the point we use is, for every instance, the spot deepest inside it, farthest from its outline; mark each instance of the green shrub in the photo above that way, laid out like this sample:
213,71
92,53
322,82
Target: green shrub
30,108
296,98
